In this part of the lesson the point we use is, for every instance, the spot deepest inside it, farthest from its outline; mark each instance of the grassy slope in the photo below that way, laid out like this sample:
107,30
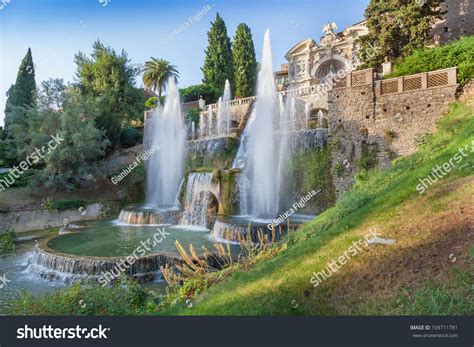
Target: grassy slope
425,272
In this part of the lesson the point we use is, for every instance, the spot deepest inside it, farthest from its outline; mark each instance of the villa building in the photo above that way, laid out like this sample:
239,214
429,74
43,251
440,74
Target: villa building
309,63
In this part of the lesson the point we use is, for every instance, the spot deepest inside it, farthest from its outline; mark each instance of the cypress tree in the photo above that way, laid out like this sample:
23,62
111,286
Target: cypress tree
23,93
218,65
245,62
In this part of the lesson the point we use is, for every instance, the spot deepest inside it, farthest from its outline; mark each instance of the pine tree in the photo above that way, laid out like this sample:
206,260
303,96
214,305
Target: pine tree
218,64
23,93
396,28
245,62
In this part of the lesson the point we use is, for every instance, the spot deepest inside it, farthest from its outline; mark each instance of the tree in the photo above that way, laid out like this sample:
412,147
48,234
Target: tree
245,62
208,93
23,92
156,73
108,80
396,28
52,93
69,163
218,65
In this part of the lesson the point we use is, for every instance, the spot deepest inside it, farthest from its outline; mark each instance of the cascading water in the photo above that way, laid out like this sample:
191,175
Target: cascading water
242,152
197,199
165,167
262,150
243,187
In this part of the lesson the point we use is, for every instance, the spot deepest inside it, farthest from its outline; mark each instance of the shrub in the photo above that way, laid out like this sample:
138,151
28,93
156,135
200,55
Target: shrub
67,204
459,53
7,242
125,298
130,137
192,115
191,93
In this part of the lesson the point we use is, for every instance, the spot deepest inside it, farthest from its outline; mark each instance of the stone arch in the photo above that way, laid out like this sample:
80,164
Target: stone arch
334,63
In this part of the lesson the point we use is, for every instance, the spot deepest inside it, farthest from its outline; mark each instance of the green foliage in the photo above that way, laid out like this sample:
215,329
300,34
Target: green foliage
396,28
156,74
68,164
52,94
192,115
245,62
459,53
218,65
151,102
208,93
130,137
368,158
7,242
23,93
125,298
21,181
68,204
108,80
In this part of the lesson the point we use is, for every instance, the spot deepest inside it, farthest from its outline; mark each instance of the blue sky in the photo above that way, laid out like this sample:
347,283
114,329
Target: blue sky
56,30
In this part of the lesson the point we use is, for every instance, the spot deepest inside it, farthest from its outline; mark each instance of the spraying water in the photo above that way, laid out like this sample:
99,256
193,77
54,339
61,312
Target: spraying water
165,166
209,120
262,150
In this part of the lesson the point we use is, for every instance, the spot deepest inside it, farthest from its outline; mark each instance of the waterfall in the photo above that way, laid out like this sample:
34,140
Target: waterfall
262,152
242,152
243,187
197,199
165,166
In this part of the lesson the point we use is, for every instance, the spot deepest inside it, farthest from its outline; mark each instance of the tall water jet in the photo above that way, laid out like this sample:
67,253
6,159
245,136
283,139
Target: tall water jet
201,125
209,120
226,106
263,153
307,111
193,130
320,119
165,167
219,116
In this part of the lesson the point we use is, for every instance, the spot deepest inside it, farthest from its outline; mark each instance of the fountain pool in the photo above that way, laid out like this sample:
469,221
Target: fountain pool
112,239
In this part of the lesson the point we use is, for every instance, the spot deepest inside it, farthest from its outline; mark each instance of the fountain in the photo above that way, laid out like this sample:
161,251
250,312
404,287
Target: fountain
262,162
165,167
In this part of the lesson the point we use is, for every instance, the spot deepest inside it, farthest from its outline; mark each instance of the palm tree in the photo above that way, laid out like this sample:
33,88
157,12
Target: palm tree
156,73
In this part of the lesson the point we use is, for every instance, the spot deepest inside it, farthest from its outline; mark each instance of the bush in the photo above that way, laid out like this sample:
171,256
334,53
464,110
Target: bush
459,53
21,181
129,137
191,93
7,242
67,204
126,298
192,115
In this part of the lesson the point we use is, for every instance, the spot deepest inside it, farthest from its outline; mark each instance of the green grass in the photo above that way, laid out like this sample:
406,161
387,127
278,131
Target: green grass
459,53
272,286
128,298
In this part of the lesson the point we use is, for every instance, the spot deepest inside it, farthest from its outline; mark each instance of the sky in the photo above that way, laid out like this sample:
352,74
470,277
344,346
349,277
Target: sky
56,30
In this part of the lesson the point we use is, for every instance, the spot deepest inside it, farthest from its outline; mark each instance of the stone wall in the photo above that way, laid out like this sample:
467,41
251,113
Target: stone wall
458,21
36,219
383,118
